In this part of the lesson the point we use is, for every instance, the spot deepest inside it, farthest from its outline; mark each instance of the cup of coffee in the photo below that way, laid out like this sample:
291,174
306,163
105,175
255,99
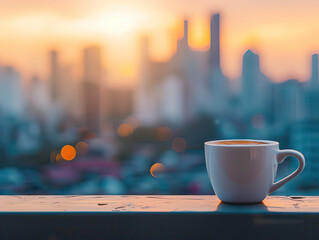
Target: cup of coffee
244,171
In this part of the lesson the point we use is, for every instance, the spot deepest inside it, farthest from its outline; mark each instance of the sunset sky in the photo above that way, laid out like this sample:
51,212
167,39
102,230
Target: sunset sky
283,33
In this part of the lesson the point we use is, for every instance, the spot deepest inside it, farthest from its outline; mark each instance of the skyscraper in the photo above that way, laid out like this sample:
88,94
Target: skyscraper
119,103
185,38
145,95
256,89
314,71
214,51
312,91
39,98
182,44
54,74
219,87
172,100
11,93
289,102
91,86
183,66
250,76
304,135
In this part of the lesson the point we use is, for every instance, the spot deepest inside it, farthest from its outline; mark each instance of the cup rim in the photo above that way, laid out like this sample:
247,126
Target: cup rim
267,143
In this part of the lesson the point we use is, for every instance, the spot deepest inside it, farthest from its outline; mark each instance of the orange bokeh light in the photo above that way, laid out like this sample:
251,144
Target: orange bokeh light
53,156
82,147
68,152
58,157
156,168
125,130
179,144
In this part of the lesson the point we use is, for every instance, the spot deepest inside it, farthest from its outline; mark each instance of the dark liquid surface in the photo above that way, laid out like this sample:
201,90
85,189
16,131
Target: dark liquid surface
239,143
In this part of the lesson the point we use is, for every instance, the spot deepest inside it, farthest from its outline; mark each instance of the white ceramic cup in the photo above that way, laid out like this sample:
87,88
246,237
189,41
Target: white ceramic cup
245,173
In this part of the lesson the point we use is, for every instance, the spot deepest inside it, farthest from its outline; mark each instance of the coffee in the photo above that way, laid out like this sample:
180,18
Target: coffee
239,142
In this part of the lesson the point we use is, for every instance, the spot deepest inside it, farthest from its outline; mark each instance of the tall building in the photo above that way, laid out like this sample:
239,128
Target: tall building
69,100
182,51
314,71
219,86
183,67
172,100
195,74
60,83
190,67
304,137
119,103
250,77
92,86
288,105
153,79
54,74
312,91
11,93
256,88
146,101
183,44
214,51
39,98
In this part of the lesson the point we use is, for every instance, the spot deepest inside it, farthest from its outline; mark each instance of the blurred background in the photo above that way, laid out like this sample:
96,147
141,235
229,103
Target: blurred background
118,97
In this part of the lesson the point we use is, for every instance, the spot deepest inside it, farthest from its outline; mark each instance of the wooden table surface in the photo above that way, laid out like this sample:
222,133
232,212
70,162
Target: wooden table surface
151,203
156,217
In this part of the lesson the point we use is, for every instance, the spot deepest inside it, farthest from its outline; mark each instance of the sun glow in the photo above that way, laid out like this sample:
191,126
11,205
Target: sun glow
119,21
199,38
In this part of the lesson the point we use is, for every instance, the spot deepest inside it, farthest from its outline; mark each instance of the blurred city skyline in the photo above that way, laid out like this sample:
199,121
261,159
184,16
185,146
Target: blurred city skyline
33,28
70,131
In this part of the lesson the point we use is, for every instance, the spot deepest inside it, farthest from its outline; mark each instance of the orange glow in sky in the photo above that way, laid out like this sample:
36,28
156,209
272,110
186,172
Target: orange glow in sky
284,35
199,37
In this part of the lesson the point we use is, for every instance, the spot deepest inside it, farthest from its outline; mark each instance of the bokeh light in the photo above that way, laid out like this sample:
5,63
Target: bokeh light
82,147
164,133
58,157
156,169
125,130
68,152
53,156
179,144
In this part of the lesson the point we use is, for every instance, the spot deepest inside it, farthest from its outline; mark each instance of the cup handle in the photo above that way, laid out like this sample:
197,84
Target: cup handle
281,156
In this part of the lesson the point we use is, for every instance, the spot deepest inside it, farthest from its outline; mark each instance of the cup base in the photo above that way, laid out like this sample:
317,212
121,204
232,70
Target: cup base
241,203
